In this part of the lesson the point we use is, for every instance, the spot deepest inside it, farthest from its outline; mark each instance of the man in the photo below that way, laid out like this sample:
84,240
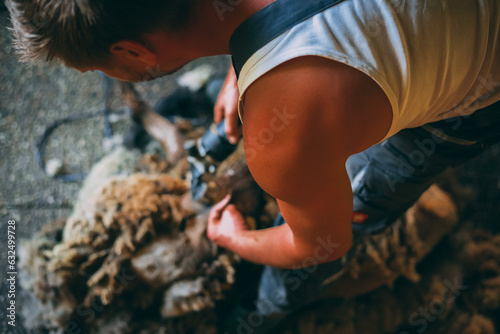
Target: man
319,82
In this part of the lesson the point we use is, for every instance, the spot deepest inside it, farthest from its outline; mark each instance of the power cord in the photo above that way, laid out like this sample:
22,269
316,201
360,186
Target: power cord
108,133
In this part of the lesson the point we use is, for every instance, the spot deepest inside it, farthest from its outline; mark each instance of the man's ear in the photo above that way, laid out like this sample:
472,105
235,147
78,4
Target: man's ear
135,51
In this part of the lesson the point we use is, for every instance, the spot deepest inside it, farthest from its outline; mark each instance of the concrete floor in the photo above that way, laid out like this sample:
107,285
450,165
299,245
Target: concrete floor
31,98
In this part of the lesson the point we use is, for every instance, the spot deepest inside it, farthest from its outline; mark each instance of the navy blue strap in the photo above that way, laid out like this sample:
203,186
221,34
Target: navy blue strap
269,23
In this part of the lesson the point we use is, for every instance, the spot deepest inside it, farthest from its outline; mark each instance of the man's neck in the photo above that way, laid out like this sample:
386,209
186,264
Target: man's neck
208,33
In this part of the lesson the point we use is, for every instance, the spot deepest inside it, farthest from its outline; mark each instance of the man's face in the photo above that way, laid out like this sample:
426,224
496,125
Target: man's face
132,61
156,55
133,73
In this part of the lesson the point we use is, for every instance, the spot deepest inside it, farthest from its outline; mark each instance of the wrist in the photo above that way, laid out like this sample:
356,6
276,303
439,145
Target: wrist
234,241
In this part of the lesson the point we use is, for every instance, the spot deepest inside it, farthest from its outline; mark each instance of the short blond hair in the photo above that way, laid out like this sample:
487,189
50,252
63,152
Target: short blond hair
79,33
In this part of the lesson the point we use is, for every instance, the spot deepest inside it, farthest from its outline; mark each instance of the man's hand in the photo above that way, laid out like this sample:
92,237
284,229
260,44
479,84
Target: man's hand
227,107
225,223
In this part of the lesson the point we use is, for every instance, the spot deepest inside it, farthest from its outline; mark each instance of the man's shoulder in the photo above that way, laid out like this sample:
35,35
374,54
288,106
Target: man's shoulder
308,113
324,95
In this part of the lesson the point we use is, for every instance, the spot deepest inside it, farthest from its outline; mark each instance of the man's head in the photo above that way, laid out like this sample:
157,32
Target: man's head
98,34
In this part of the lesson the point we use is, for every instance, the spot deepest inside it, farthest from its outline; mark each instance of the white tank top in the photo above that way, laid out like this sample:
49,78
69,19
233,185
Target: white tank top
434,59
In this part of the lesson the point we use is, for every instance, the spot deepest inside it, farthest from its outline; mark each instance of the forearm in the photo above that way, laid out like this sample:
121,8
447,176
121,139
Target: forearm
277,247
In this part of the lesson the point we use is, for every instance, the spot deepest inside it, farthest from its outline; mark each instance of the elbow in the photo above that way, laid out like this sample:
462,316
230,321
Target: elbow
324,249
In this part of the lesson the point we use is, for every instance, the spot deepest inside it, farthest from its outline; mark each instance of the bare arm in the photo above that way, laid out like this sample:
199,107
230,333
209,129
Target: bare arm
301,122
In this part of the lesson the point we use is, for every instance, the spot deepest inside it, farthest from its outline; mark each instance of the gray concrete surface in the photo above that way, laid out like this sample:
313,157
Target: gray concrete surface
31,98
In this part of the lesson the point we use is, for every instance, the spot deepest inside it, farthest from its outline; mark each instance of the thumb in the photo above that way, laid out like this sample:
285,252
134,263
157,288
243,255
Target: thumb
232,210
217,209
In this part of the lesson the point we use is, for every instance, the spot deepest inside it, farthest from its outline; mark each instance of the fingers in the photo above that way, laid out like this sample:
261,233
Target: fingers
223,203
232,210
217,209
218,112
228,110
226,95
226,107
231,126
